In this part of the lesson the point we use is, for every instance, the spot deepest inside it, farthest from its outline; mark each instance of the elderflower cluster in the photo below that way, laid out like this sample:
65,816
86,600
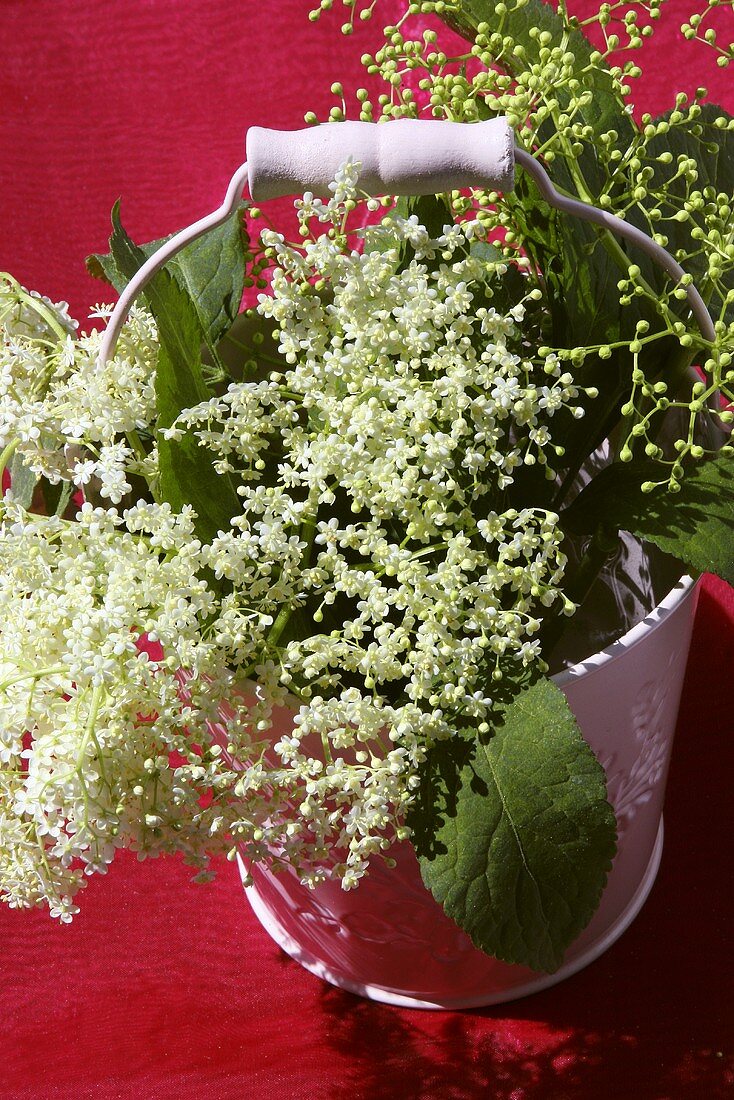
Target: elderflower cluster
122,724
402,415
86,719
277,688
64,418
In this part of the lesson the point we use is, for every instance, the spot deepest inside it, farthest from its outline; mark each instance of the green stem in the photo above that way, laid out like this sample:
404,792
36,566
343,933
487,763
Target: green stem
97,696
54,670
137,444
278,626
36,305
609,241
7,454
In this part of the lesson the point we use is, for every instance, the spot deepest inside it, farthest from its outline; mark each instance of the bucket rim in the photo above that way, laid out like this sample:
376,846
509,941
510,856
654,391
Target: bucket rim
679,594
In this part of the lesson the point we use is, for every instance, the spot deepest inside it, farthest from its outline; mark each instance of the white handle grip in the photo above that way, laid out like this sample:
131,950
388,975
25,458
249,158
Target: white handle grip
402,157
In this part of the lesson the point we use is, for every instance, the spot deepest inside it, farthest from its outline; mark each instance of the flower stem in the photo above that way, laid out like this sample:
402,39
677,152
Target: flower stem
7,454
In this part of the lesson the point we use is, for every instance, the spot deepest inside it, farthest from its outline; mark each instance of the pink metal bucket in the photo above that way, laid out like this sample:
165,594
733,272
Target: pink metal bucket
390,941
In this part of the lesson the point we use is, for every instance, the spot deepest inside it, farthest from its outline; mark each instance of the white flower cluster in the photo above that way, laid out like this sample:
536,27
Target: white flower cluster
383,578
278,688
86,719
66,418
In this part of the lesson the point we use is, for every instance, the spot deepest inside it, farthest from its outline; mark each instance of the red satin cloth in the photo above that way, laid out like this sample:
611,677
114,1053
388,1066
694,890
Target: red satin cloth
161,989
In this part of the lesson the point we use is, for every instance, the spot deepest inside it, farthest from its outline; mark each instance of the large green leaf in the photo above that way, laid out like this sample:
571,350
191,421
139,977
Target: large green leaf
695,525
211,270
521,836
187,475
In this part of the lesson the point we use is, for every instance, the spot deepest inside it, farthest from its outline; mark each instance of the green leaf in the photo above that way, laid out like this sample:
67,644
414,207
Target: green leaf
433,212
211,270
695,525
57,497
187,475
604,112
585,284
579,269
22,481
101,265
186,472
176,318
522,836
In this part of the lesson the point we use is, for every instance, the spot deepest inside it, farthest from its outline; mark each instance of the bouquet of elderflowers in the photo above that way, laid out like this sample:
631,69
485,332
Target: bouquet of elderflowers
371,503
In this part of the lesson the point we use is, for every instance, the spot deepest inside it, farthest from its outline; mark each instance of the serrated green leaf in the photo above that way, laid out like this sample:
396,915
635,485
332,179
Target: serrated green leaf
187,475
176,318
525,838
211,270
100,265
695,525
186,472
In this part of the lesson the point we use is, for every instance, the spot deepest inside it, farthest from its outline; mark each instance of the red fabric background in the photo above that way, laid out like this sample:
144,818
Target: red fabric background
161,989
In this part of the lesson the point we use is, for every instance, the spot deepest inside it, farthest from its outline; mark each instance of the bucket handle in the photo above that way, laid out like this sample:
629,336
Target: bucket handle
406,156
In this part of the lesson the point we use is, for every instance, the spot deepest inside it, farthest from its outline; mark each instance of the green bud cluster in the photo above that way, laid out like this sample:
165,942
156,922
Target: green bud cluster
654,172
